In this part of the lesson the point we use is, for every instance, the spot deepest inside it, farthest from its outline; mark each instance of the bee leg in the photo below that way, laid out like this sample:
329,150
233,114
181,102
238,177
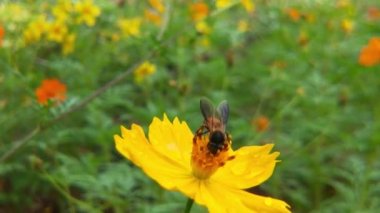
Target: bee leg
231,157
228,138
201,131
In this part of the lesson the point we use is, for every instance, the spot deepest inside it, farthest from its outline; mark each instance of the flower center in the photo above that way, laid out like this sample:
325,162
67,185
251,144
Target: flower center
203,161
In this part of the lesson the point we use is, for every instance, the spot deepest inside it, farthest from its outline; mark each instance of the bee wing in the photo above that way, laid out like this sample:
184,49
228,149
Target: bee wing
223,111
207,108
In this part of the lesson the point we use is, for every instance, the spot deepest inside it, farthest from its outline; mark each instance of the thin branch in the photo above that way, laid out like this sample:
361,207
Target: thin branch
20,143
96,93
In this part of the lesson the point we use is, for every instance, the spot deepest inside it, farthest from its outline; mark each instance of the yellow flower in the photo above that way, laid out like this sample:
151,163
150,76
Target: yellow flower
347,25
242,26
215,181
87,12
130,27
62,10
56,31
68,44
303,38
115,37
248,5
35,30
343,3
220,4
204,41
202,27
144,70
13,12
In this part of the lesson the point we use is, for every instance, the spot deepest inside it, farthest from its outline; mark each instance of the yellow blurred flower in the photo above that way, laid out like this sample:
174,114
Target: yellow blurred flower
309,17
343,3
13,12
56,31
115,37
35,29
300,91
202,27
303,38
178,160
248,5
157,5
203,41
87,12
198,11
347,25
144,70
130,27
68,44
242,26
220,4
62,10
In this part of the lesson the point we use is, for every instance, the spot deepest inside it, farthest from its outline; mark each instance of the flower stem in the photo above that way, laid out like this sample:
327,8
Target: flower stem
189,204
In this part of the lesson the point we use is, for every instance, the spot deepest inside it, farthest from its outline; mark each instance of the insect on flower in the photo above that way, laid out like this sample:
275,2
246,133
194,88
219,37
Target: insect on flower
214,125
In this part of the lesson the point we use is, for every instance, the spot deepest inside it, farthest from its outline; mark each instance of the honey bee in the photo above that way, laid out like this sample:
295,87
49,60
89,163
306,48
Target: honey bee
214,124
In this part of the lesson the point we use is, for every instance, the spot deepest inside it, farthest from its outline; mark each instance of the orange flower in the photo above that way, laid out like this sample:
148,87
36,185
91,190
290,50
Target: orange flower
294,14
158,5
261,123
198,11
155,14
2,33
370,54
373,13
153,17
51,89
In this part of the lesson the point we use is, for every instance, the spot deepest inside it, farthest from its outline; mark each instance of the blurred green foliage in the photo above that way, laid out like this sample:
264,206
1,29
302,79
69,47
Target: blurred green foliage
294,63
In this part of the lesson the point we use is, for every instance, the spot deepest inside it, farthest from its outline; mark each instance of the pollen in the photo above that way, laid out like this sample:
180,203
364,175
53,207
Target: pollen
203,162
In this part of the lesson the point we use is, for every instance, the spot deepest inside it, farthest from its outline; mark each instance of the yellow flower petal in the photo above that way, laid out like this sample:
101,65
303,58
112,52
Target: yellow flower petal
262,204
220,4
172,139
220,198
169,173
130,27
248,5
252,165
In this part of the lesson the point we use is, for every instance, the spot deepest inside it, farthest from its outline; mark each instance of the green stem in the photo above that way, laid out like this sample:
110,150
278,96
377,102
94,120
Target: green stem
189,204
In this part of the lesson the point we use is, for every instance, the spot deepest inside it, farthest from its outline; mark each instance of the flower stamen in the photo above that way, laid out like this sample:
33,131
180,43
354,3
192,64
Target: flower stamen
203,162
